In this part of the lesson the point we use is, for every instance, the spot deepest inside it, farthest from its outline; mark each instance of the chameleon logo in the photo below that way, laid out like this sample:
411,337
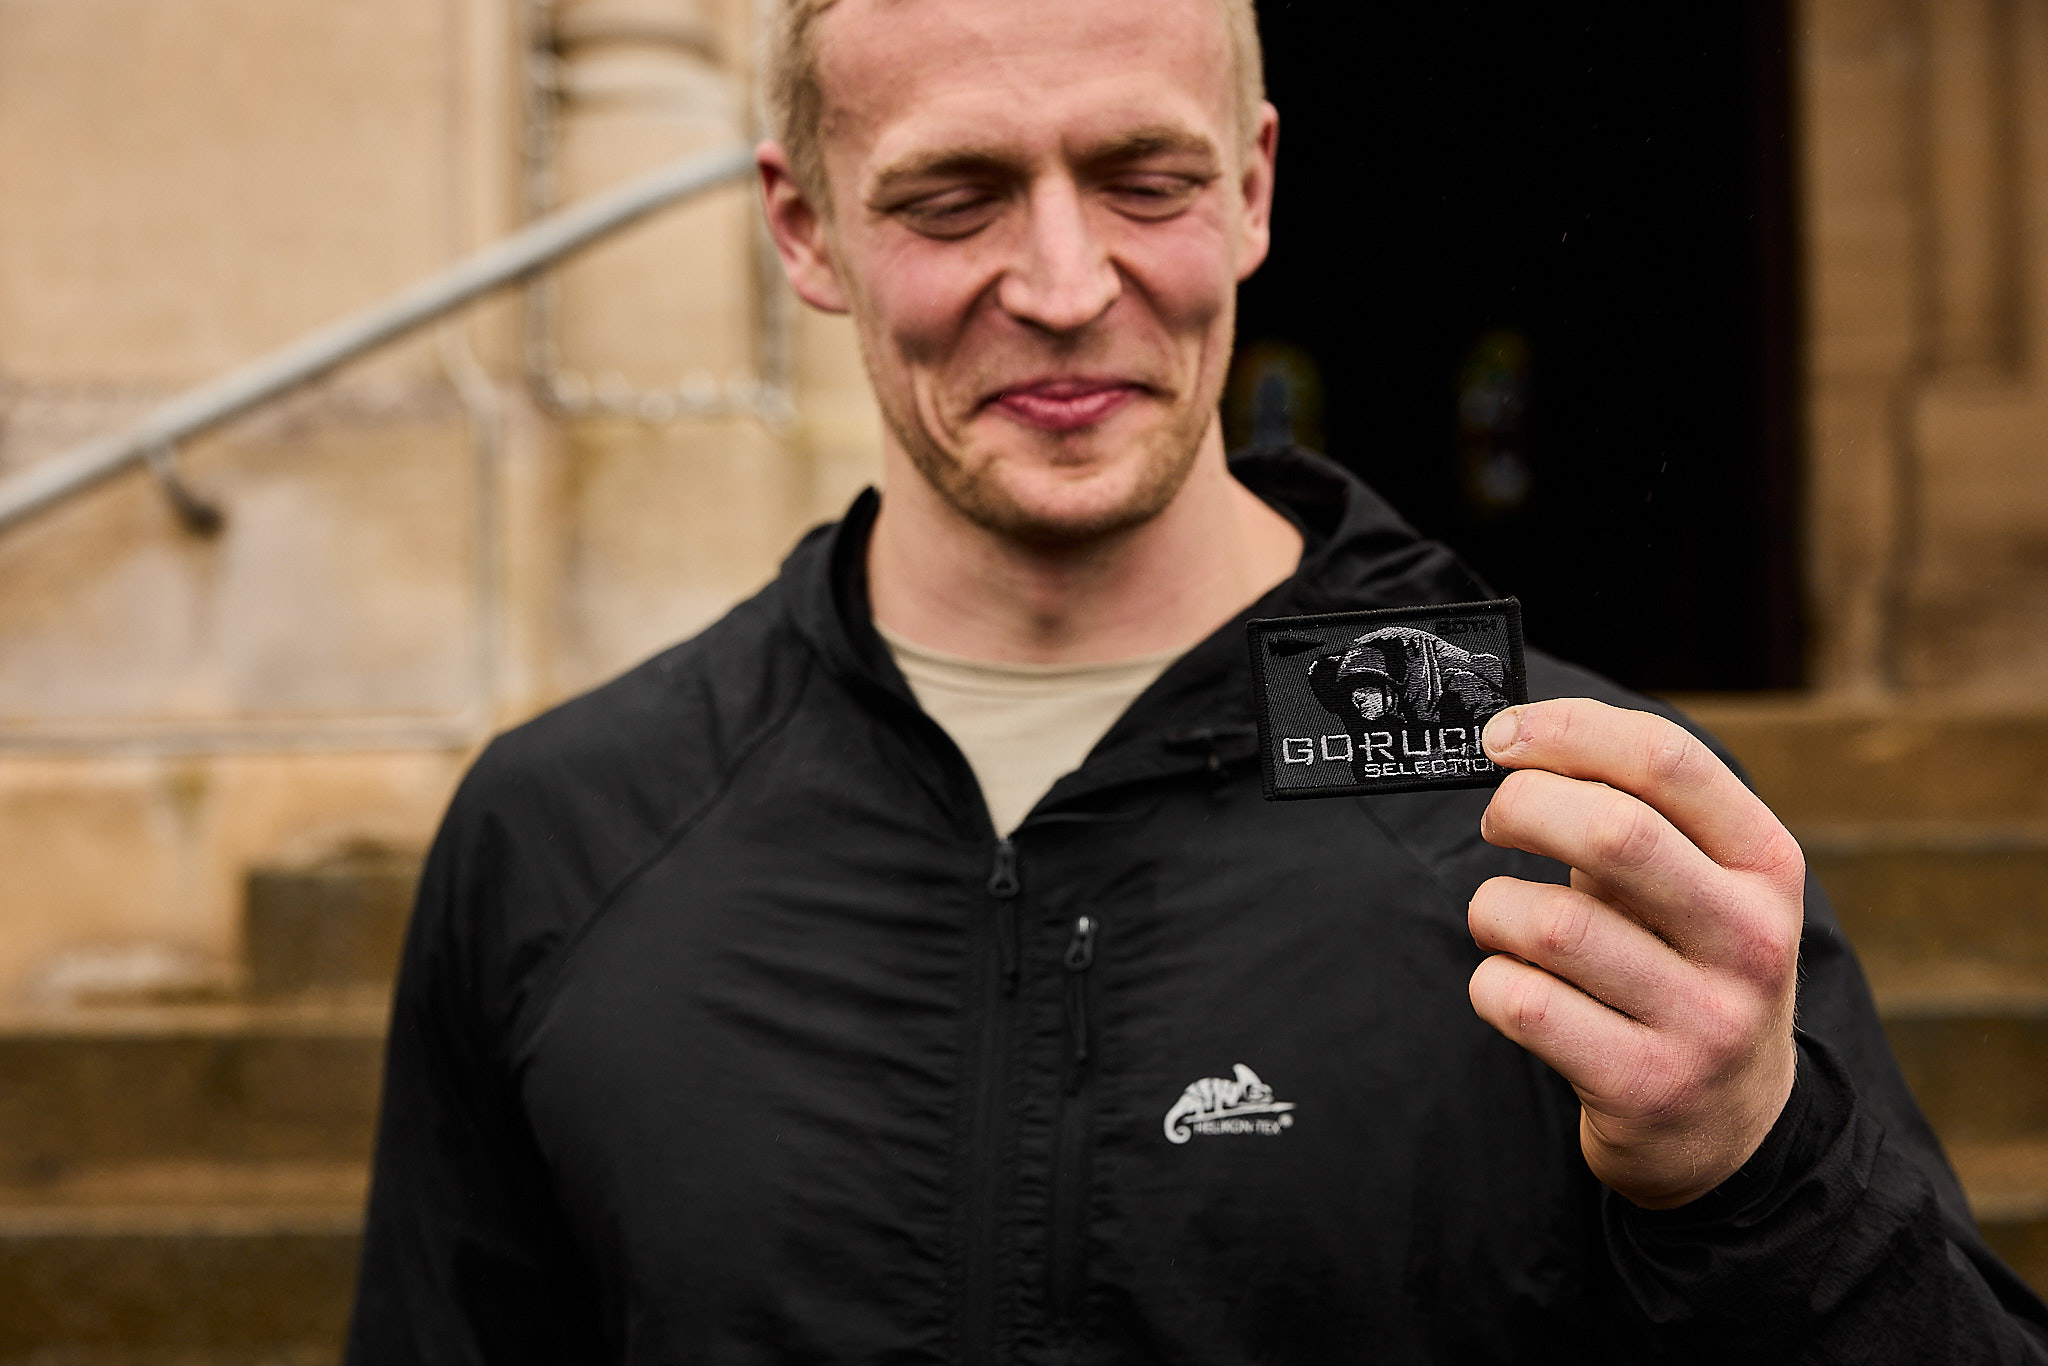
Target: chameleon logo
1239,1105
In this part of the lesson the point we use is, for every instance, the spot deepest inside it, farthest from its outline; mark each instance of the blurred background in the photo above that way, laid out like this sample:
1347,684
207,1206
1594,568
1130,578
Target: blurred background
1717,334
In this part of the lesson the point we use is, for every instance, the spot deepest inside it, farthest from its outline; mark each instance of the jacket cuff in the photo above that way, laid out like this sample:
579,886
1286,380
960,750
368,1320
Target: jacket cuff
1766,1254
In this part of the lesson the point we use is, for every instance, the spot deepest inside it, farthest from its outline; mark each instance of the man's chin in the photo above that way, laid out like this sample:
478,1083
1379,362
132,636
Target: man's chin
1067,490
1058,505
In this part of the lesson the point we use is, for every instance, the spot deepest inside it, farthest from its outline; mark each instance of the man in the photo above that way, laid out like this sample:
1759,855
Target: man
1400,669
907,970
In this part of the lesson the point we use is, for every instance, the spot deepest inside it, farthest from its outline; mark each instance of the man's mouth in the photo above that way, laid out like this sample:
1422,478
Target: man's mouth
1065,404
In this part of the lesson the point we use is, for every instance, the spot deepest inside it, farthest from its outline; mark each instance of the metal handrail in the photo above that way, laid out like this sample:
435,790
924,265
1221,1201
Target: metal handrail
506,262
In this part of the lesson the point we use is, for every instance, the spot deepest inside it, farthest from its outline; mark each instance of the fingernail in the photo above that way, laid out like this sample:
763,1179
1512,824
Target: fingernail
1500,731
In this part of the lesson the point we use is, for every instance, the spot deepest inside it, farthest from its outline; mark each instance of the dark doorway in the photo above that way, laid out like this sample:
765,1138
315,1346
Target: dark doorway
1532,279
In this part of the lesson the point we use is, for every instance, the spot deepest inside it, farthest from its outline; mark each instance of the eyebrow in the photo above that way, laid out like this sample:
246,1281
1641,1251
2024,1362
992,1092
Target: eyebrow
1156,140
1138,144
940,165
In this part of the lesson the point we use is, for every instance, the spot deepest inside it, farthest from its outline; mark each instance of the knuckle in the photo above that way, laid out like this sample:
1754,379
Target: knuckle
1763,952
1553,723
1528,1002
1723,1035
1674,758
1625,835
1780,860
1567,924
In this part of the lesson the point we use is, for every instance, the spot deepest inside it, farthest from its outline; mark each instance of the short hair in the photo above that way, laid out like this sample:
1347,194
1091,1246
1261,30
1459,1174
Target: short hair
794,104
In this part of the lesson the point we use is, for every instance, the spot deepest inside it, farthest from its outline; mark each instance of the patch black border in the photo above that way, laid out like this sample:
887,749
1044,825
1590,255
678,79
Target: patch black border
1258,628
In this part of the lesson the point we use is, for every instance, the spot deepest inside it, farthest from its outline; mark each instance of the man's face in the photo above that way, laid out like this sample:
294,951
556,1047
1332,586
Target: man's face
1040,214
1373,700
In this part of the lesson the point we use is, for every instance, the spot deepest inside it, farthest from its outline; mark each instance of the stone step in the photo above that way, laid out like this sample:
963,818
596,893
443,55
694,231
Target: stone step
1822,762
1977,1062
335,927
176,1264
2008,1188
1940,907
220,1082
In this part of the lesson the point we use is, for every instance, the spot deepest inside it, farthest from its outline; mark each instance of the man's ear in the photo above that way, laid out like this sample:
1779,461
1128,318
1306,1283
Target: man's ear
799,230
1257,186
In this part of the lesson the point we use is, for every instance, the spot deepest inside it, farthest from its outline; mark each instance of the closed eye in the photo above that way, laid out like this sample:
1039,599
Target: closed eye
947,214
1154,195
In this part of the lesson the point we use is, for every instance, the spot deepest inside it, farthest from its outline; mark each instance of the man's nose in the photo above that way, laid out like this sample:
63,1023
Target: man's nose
1063,278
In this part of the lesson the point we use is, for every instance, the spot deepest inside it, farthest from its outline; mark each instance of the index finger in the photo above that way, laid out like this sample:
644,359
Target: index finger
1655,760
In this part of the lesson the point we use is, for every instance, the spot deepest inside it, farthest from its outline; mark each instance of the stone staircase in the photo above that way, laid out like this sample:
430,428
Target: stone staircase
1932,840
1953,923
181,1181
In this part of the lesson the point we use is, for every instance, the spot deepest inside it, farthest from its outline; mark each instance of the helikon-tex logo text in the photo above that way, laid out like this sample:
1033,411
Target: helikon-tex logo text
1239,1105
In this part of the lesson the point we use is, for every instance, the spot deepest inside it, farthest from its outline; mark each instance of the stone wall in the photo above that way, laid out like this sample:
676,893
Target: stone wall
430,545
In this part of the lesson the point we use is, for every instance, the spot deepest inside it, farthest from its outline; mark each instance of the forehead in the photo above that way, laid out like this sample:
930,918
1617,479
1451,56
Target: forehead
903,77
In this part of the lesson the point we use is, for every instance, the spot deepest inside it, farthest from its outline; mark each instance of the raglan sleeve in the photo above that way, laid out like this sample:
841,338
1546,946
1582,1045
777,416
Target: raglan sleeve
466,1257
1846,1237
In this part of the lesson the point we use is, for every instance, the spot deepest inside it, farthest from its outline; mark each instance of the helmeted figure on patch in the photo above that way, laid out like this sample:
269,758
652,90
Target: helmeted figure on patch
1399,674
1411,703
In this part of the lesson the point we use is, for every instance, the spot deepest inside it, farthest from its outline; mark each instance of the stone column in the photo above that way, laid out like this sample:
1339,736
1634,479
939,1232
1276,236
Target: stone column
640,82
1975,618
1859,69
1970,163
672,514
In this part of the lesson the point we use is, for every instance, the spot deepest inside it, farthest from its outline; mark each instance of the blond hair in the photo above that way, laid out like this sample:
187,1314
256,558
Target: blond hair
794,104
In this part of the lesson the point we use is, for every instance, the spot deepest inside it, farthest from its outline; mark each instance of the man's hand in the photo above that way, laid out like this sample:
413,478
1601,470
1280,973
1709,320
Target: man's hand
1660,984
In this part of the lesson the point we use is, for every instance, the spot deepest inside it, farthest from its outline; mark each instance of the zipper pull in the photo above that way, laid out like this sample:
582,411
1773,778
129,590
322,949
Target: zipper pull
1002,879
1004,885
1080,957
1081,948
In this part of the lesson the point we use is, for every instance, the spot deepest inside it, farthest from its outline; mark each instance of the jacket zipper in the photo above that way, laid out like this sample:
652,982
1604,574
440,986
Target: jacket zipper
1070,1155
1080,957
981,1272
1004,886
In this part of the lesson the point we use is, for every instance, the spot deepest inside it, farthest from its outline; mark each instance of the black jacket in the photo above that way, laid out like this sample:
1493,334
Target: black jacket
728,1031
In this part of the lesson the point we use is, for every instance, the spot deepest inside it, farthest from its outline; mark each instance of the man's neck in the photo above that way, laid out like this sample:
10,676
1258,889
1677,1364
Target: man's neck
939,580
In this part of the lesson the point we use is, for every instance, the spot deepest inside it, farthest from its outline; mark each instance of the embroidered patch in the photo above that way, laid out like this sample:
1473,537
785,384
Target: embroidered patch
1239,1104
1389,701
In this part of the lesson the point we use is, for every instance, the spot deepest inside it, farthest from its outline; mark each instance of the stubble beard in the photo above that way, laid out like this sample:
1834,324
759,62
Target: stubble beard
980,492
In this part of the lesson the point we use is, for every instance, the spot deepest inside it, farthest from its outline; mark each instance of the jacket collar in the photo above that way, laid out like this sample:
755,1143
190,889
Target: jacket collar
1357,553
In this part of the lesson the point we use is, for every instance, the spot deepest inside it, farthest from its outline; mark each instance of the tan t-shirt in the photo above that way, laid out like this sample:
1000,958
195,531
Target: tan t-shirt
1023,727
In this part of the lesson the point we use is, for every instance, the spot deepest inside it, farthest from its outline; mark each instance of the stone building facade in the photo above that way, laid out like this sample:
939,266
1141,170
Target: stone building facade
430,545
